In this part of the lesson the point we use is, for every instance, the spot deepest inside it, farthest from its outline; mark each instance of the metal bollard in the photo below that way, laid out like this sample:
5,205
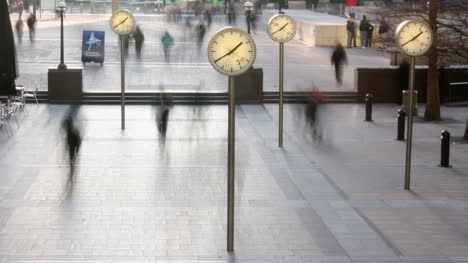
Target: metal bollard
401,125
445,149
369,107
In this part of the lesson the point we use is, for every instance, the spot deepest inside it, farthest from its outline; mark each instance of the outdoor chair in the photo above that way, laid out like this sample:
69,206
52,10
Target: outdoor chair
31,94
4,119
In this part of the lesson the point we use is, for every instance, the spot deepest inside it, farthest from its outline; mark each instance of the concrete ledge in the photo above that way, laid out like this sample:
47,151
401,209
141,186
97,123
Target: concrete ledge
65,86
383,83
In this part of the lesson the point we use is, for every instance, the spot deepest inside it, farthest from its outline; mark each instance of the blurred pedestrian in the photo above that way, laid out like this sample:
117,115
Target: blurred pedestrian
339,58
162,116
19,29
363,29
231,16
31,26
351,31
200,32
314,99
383,29
126,42
139,38
167,42
207,17
370,31
253,21
187,27
73,138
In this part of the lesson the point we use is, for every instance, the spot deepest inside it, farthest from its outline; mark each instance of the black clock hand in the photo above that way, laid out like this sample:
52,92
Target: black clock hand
121,22
230,52
412,39
280,29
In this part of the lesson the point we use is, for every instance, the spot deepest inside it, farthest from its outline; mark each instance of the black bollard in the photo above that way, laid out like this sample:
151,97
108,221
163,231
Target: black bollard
401,125
368,107
445,149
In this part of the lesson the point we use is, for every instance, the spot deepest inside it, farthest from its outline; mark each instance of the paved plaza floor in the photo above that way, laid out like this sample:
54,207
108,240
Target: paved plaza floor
189,69
135,199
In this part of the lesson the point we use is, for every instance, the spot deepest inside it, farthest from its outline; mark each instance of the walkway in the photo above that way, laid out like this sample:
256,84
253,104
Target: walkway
134,200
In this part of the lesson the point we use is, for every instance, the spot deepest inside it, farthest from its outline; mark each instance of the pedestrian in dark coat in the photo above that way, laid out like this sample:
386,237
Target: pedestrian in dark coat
31,26
351,31
339,58
363,29
19,29
139,38
200,31
73,139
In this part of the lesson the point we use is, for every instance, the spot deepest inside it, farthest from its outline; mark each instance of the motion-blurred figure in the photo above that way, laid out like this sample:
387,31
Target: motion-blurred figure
162,116
167,42
339,58
231,15
73,138
19,29
200,31
314,99
139,38
207,17
187,27
31,26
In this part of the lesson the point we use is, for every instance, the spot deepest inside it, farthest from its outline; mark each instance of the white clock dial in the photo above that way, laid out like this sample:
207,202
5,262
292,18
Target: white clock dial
122,22
281,28
231,51
414,38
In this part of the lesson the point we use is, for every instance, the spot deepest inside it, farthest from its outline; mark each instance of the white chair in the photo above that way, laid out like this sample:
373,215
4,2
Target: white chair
31,94
4,118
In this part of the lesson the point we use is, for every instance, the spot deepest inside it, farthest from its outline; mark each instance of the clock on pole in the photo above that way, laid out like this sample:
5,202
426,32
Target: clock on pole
281,28
122,22
231,52
414,38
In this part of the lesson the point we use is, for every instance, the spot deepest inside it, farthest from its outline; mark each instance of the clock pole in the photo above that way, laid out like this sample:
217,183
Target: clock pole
409,130
231,154
281,82
122,79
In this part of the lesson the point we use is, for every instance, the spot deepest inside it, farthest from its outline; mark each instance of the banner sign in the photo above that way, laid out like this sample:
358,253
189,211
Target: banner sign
93,47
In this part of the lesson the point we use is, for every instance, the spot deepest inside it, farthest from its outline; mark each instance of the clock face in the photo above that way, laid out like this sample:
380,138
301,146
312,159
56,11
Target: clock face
122,22
414,38
231,51
281,28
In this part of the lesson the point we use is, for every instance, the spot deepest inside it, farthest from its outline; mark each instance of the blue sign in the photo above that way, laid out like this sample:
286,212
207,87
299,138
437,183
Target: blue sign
93,47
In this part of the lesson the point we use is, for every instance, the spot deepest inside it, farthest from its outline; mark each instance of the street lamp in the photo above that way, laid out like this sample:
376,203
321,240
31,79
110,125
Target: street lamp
61,7
248,7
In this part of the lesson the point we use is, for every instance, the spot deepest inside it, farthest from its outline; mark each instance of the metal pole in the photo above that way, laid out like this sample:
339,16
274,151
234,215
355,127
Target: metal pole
248,22
409,131
122,79
62,63
231,153
281,81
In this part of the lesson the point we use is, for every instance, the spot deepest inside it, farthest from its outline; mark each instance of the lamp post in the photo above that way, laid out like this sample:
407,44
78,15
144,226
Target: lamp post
248,7
61,7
